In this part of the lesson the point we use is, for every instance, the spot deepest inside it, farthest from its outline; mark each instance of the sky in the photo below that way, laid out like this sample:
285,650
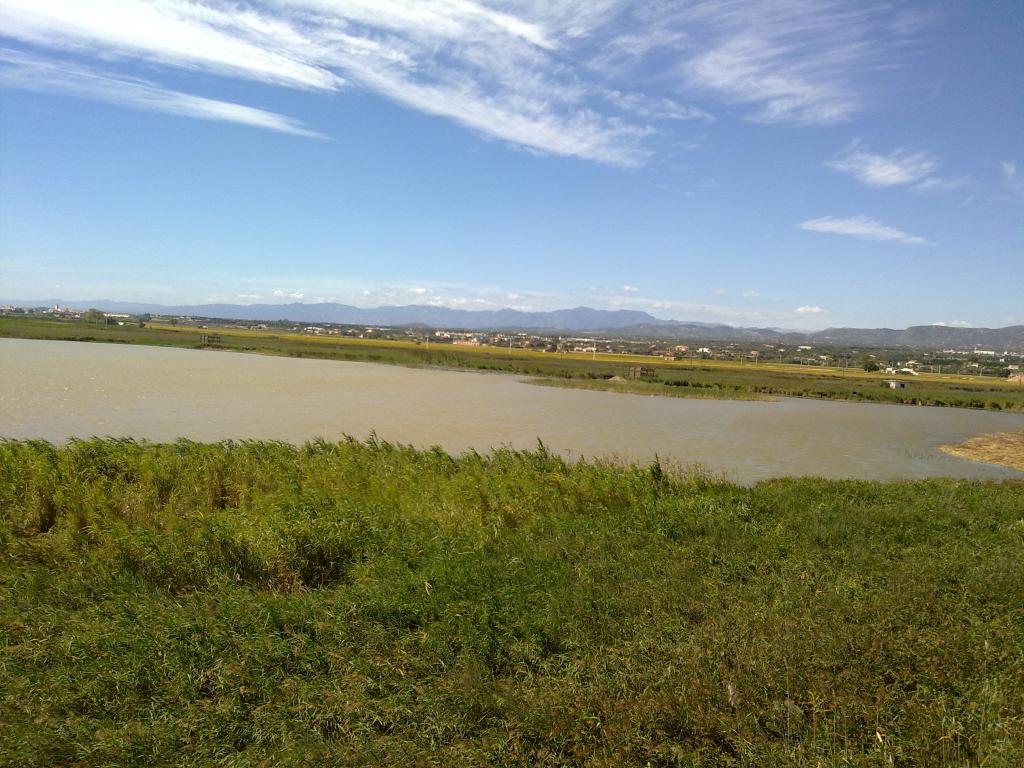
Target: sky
803,164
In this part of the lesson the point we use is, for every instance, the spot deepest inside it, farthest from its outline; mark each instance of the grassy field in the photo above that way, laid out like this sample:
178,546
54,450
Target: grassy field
351,604
682,378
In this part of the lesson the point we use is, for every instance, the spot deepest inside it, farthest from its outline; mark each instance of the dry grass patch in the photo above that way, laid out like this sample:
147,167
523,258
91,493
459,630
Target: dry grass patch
1003,448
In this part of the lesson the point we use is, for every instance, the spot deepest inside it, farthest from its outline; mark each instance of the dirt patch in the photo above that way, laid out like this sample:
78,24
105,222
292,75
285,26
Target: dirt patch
1003,448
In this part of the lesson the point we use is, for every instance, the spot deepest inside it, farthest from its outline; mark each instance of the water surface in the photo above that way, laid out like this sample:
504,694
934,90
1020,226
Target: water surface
56,390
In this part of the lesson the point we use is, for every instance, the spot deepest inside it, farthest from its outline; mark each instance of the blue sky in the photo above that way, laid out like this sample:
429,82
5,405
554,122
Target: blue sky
799,165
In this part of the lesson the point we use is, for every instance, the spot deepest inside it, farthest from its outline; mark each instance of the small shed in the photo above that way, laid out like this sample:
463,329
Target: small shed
895,384
641,372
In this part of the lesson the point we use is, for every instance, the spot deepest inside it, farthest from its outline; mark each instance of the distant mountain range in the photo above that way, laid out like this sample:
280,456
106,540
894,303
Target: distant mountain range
622,322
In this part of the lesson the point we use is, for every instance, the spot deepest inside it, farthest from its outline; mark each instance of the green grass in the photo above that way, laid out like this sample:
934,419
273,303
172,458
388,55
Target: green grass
261,604
695,378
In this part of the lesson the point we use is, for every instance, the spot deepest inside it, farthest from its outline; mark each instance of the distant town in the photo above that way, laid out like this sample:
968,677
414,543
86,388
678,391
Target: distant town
902,361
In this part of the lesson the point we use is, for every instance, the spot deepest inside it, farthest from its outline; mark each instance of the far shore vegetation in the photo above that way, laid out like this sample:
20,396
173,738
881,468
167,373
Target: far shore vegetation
1003,448
364,603
679,378
651,388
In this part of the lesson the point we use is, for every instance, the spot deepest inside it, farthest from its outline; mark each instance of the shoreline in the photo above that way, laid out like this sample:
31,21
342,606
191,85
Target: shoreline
718,381
1003,449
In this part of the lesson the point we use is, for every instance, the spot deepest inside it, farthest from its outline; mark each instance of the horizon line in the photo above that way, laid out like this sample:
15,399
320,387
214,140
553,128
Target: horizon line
75,304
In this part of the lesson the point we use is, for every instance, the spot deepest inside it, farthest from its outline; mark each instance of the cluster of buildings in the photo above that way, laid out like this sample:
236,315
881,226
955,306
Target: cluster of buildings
55,311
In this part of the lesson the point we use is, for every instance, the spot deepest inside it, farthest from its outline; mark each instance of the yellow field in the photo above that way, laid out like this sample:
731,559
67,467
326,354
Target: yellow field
526,354
1004,448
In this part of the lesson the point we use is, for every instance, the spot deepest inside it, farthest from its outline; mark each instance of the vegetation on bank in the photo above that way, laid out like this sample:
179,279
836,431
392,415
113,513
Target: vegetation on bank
641,387
1003,448
700,378
245,604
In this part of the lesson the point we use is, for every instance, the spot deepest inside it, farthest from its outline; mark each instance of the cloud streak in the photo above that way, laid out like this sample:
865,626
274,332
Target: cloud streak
862,227
803,62
233,40
1012,178
484,68
590,79
26,72
898,168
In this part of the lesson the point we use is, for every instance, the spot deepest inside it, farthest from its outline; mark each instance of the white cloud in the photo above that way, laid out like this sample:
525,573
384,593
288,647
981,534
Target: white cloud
630,289
419,291
667,308
751,294
488,69
803,61
898,168
657,108
296,295
546,76
249,296
954,324
808,309
1014,181
235,40
25,72
936,184
860,226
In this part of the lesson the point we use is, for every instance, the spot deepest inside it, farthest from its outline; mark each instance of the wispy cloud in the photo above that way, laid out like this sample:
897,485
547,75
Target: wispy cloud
656,108
231,40
898,168
630,289
860,226
894,169
1012,178
804,61
678,309
25,72
546,76
473,296
488,69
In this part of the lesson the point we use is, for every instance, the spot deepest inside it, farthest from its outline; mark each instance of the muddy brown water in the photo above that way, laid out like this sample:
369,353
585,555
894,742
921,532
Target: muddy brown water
58,390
